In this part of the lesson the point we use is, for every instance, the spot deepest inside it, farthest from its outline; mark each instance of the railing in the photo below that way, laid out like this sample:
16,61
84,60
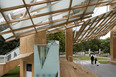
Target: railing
9,56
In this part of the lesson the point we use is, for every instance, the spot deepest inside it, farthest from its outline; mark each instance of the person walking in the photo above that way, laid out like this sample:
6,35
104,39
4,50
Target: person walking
95,60
92,59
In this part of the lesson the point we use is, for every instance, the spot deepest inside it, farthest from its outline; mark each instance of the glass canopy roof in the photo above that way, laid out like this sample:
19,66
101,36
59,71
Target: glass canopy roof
19,18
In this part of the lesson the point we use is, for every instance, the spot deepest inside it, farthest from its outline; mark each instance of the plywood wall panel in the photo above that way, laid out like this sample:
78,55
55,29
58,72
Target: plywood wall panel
27,45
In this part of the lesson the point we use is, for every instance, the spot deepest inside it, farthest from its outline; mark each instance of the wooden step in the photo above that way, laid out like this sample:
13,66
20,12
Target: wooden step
70,69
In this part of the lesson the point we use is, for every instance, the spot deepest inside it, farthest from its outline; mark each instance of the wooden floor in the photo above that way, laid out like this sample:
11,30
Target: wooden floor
70,69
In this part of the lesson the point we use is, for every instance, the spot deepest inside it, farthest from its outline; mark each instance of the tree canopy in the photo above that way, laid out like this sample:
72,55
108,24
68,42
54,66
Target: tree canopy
94,44
60,36
6,47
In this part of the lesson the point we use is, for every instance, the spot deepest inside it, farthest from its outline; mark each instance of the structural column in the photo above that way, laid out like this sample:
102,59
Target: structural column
112,39
112,6
113,46
69,44
26,46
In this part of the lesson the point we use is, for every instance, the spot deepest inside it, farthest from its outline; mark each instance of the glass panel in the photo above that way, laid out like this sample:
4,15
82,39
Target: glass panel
11,3
39,9
25,32
3,26
60,5
90,9
16,14
22,24
2,58
6,36
77,3
47,17
87,27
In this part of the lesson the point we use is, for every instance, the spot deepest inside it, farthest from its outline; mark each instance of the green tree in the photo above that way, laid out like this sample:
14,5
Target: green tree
77,47
60,36
105,45
6,47
94,44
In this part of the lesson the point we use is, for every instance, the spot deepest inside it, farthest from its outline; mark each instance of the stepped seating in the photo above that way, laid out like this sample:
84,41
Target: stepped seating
70,69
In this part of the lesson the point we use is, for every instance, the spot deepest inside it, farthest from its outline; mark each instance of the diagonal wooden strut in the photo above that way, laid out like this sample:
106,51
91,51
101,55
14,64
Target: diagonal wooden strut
8,24
69,12
29,15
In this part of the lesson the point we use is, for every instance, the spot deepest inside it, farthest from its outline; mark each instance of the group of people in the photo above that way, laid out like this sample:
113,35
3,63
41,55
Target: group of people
93,59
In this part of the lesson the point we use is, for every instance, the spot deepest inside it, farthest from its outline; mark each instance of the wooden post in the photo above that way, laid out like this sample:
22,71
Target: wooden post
112,6
112,46
69,44
112,38
26,46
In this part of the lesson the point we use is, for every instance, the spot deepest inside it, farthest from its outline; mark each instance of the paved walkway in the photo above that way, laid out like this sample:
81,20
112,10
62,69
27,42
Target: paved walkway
103,70
83,62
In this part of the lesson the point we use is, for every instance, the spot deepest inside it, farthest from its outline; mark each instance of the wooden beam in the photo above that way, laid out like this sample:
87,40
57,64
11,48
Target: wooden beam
53,12
81,30
46,1
90,32
28,5
61,28
26,13
107,26
42,24
88,28
104,29
28,34
110,28
8,24
85,8
107,30
102,25
100,34
35,16
29,15
23,35
69,12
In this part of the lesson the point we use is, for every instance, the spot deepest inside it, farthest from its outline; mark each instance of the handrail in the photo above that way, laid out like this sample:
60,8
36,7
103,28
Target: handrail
10,55
11,51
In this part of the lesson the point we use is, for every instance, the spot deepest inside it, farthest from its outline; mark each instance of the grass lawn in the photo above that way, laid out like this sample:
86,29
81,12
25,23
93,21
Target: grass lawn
103,62
13,73
84,58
